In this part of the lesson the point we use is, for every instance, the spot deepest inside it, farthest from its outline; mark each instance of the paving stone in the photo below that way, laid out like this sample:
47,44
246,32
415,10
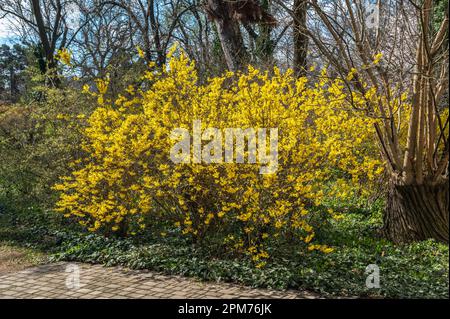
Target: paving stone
96,281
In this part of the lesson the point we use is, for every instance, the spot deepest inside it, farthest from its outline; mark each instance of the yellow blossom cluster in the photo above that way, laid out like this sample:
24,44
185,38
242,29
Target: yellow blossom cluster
127,176
64,56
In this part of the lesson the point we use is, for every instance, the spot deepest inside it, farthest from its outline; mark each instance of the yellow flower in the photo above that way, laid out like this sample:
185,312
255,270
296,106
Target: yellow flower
309,238
86,89
377,58
64,56
141,53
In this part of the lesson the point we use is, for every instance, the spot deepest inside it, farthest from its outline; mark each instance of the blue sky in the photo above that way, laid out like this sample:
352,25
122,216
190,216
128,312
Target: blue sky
6,35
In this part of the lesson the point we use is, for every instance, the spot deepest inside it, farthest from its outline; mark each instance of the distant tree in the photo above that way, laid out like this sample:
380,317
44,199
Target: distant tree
45,23
228,16
12,64
300,36
152,23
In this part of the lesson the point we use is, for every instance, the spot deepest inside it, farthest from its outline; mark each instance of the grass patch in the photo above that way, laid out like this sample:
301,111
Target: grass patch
15,258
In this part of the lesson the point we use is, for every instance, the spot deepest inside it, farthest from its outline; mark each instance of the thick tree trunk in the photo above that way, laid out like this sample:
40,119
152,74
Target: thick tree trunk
417,212
235,53
233,47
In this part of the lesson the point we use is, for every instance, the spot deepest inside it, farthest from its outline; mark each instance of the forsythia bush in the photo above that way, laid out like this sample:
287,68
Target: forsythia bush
127,175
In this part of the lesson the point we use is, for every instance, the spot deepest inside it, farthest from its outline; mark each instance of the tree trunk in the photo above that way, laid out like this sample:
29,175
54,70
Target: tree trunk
12,84
235,53
48,44
417,212
300,37
265,46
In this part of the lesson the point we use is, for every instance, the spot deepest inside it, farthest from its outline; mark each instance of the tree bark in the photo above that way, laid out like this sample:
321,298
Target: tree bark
265,45
48,43
417,212
300,37
235,53
160,53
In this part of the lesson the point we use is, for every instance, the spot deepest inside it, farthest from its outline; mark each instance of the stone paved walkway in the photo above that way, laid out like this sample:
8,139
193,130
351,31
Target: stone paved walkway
74,280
